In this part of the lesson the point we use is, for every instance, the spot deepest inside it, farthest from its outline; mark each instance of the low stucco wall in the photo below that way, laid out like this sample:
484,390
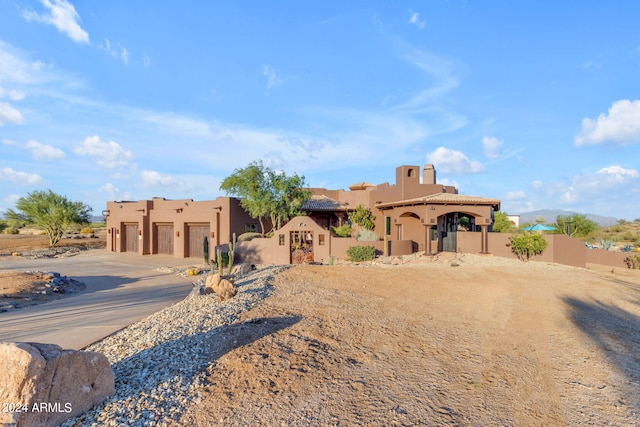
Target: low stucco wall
602,257
561,248
339,246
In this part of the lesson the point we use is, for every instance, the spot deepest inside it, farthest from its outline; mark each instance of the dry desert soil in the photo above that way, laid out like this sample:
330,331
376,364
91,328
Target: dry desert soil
491,342
473,341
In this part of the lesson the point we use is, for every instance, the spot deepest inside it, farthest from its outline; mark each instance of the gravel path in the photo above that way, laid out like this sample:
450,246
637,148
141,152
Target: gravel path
160,361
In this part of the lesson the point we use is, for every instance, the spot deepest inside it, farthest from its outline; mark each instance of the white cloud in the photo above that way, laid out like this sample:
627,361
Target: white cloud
146,61
62,15
605,179
621,125
415,19
43,151
516,195
114,193
12,199
117,52
14,95
492,147
537,184
272,78
439,69
17,177
453,161
108,154
16,68
153,179
8,114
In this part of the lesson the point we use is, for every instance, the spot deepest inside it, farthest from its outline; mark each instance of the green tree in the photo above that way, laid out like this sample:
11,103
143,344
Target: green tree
265,193
501,223
53,213
526,245
575,225
362,217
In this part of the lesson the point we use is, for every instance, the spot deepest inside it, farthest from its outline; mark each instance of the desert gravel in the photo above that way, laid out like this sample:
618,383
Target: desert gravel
159,362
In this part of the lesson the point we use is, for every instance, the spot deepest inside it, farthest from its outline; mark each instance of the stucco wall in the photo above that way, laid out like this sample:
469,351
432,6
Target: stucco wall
600,256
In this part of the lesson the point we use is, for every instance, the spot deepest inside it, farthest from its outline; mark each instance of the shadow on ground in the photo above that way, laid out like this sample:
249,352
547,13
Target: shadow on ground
170,368
617,332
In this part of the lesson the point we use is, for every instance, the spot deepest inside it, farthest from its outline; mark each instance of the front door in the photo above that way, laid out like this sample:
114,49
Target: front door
301,247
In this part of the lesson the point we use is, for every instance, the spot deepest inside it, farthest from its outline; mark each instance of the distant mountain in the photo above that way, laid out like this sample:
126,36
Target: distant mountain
550,216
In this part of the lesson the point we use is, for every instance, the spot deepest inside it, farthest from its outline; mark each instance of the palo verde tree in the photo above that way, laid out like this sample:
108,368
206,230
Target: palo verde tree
362,217
575,225
53,213
267,194
501,223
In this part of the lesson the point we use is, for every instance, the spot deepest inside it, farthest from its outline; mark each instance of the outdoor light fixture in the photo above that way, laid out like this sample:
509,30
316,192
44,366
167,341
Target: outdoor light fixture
177,234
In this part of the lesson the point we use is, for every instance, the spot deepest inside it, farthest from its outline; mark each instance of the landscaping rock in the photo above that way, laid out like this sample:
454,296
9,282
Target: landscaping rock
225,289
47,385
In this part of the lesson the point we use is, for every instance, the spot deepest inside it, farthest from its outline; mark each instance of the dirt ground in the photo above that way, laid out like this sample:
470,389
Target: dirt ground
19,289
516,344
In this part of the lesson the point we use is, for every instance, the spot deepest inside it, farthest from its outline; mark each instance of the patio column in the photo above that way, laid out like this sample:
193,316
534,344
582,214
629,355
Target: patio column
485,239
427,240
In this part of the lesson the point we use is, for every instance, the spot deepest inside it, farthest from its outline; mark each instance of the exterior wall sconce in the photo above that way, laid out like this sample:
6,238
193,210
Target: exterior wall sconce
432,208
139,232
213,234
218,208
179,210
177,234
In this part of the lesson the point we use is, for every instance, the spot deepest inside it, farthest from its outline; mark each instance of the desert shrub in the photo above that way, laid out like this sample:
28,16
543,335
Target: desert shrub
245,237
3,226
367,236
525,246
11,230
633,262
86,230
361,253
342,231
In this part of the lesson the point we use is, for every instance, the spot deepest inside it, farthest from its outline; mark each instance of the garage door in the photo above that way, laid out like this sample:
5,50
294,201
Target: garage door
131,237
164,239
197,233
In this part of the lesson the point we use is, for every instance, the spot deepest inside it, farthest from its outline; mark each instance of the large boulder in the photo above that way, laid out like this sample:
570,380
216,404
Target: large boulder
225,290
223,287
43,385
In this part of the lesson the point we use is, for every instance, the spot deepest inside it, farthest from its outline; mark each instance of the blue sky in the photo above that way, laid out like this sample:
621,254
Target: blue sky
534,103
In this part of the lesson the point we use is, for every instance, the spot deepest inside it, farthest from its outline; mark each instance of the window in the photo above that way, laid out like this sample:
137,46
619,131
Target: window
281,239
321,239
251,228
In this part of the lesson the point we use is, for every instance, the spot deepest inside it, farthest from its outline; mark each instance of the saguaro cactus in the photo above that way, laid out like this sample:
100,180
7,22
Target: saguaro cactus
232,251
205,247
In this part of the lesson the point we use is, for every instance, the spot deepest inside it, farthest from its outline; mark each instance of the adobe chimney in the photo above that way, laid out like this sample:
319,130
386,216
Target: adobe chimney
429,174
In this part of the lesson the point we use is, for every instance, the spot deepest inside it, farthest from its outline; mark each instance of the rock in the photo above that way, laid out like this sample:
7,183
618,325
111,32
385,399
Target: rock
225,289
212,281
47,385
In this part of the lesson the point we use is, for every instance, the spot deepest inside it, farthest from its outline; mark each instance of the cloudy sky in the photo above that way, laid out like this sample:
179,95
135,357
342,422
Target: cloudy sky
534,103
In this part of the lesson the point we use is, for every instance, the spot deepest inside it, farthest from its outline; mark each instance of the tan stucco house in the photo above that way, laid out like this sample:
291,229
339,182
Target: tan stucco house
415,214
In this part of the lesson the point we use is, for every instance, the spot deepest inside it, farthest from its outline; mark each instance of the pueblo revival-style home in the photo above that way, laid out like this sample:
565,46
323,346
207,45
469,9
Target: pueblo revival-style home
412,215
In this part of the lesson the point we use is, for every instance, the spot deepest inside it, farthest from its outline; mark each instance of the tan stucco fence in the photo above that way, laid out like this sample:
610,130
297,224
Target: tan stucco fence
561,249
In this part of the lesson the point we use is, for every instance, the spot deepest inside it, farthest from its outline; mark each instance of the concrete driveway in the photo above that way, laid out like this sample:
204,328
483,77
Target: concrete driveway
121,289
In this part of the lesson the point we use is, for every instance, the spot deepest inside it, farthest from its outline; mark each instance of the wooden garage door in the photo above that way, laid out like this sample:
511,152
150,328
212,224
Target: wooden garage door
164,239
197,233
131,237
